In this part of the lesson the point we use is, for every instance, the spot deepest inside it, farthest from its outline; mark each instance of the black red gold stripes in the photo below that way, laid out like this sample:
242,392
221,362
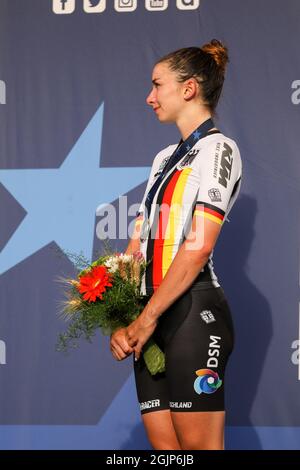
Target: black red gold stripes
203,209
162,243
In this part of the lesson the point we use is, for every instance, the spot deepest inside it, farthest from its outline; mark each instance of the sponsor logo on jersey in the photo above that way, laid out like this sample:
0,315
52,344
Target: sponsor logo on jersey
207,316
214,195
225,166
162,166
207,380
188,159
213,351
145,405
216,161
180,404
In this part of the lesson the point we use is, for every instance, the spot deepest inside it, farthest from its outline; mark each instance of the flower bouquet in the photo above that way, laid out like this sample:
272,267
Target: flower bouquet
106,295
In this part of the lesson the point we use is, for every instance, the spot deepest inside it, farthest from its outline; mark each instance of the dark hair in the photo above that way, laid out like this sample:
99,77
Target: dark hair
207,64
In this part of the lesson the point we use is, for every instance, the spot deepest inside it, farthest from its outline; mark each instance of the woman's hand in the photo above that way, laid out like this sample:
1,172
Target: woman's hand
139,331
119,346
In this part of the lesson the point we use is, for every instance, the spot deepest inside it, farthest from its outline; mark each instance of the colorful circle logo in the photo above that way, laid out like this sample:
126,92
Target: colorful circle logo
207,381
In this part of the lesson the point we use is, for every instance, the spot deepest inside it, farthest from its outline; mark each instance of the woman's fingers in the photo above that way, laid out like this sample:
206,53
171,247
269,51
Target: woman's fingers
119,345
115,354
131,341
118,353
137,351
132,334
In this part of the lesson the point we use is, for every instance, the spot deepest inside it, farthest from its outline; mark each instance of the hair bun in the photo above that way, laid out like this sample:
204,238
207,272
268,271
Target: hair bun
218,51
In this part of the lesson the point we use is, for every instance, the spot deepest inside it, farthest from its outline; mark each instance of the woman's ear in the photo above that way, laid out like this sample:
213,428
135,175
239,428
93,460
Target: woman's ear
190,89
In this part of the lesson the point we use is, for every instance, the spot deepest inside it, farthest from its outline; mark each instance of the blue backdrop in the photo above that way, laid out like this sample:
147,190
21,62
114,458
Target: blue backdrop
75,133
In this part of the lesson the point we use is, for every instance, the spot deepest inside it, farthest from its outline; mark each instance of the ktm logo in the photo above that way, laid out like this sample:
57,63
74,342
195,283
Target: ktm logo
226,165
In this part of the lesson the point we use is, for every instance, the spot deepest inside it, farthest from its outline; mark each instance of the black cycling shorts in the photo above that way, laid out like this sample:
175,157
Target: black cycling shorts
196,334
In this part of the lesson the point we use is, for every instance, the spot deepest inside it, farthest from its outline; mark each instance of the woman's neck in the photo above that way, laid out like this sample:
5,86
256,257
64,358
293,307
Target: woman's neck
190,121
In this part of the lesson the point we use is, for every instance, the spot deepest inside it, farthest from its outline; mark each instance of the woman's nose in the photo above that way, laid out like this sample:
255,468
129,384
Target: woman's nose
150,98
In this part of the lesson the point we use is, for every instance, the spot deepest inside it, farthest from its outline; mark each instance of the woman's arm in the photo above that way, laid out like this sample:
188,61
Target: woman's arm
188,262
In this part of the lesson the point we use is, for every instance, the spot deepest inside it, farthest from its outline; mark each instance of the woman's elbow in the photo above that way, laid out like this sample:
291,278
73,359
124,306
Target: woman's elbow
199,255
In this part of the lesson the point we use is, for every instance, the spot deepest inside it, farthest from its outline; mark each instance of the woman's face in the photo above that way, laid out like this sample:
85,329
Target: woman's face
166,96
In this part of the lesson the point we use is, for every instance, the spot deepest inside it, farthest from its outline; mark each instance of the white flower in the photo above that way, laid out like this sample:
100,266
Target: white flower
112,264
126,258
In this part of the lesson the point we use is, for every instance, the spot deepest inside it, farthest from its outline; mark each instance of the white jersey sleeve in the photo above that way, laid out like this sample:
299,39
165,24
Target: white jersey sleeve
219,172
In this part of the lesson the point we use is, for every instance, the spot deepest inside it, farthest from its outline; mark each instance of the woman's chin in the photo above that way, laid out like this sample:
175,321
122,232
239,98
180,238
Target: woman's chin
164,119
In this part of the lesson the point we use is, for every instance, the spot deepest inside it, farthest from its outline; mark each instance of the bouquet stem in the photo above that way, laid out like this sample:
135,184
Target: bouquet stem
153,357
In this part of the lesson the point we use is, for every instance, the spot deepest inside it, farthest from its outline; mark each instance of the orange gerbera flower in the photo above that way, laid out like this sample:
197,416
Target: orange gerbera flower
94,283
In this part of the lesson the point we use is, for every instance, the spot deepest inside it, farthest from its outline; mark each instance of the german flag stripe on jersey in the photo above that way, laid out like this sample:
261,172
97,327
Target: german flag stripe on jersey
160,249
164,216
154,232
174,220
203,209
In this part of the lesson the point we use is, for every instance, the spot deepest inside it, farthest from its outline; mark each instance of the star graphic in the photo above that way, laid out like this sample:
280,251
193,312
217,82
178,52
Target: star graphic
61,203
196,135
187,147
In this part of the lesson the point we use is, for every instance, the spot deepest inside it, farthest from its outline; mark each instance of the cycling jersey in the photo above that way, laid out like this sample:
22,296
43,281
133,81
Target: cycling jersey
204,183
